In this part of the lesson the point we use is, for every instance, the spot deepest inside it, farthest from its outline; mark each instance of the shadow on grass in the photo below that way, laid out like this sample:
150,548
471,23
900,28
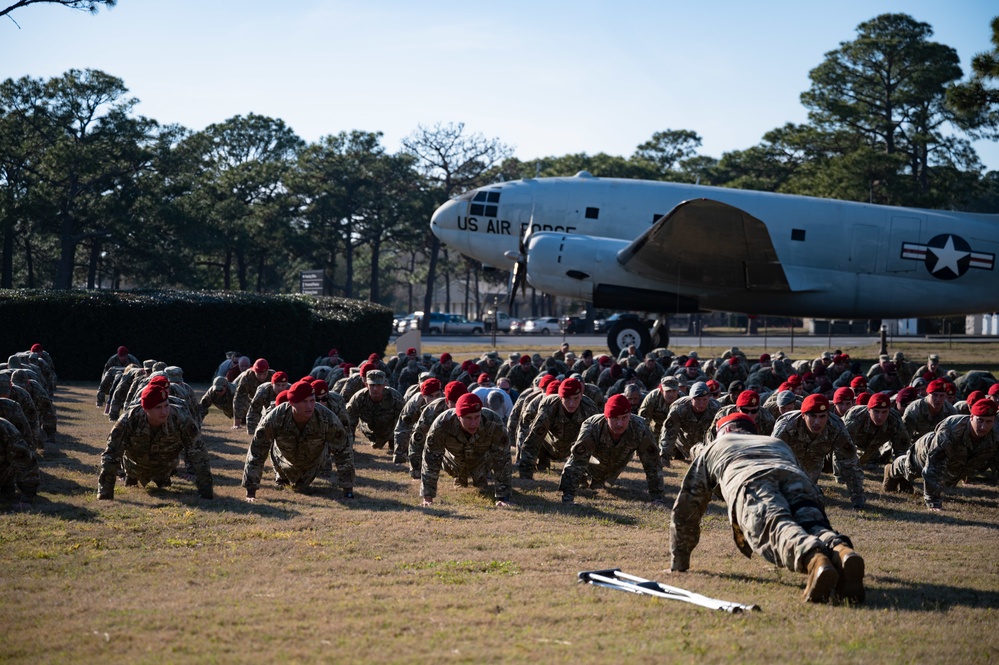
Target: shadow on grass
923,597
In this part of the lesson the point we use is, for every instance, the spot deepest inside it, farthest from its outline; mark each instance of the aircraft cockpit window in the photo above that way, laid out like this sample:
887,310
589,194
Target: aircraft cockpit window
797,234
493,197
477,209
480,196
656,217
593,213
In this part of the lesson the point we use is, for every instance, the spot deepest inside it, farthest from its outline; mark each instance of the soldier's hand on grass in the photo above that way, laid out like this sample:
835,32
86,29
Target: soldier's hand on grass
251,495
428,501
503,503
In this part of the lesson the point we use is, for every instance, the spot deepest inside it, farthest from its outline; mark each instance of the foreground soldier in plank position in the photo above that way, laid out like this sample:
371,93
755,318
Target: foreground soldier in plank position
148,441
298,436
774,508
467,441
612,438
957,448
555,428
452,391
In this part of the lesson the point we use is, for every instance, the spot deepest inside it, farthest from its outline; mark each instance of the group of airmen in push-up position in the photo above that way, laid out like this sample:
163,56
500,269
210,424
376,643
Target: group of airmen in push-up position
761,444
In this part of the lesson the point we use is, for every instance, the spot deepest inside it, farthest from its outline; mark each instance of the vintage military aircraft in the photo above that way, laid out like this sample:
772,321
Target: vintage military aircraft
667,247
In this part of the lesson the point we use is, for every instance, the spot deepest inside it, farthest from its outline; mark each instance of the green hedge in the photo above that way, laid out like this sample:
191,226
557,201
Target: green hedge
82,329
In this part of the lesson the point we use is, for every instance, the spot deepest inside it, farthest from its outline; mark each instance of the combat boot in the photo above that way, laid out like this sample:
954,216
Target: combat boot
905,486
822,579
890,483
851,574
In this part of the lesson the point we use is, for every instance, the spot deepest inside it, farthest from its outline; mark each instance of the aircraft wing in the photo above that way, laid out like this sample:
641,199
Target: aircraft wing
708,243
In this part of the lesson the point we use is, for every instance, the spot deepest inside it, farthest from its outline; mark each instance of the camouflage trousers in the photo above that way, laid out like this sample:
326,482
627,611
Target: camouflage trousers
907,466
379,437
299,477
145,474
782,519
460,471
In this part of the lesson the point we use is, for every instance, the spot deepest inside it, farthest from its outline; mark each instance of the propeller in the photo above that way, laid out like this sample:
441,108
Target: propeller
518,276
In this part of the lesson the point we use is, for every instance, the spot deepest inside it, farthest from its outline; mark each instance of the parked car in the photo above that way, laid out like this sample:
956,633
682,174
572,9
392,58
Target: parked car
517,326
547,325
450,324
604,325
573,324
503,322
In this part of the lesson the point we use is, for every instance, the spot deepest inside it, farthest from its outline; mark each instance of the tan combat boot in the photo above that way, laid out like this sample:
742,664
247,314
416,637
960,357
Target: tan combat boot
851,574
822,579
890,483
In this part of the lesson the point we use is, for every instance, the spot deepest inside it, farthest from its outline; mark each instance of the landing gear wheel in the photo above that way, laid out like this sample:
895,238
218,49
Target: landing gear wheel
661,340
628,332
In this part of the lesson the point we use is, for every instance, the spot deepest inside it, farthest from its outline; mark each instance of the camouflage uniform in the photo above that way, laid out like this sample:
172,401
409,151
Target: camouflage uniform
683,428
18,465
595,440
918,419
765,421
222,401
12,412
774,509
123,389
298,454
335,403
728,373
655,410
263,398
870,439
767,378
245,387
463,455
516,416
377,418
650,378
974,380
46,410
522,376
551,435
23,399
418,438
349,386
442,371
811,450
149,455
526,418
882,382
946,456
408,418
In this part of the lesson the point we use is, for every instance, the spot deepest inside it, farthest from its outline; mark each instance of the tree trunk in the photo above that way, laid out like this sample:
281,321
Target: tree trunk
348,280
67,253
428,297
7,271
468,286
241,268
447,283
260,273
29,262
478,299
95,257
227,270
376,248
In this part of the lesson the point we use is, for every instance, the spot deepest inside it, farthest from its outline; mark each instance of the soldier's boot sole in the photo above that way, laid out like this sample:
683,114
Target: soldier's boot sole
851,574
822,579
889,483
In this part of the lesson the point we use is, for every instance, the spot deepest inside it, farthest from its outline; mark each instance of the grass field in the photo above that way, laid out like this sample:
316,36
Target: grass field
159,576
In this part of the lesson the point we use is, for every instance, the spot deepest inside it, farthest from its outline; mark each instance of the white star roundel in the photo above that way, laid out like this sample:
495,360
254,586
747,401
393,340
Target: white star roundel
947,256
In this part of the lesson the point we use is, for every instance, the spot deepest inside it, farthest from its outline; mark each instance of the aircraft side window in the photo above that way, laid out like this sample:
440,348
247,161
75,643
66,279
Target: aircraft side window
797,234
656,217
593,213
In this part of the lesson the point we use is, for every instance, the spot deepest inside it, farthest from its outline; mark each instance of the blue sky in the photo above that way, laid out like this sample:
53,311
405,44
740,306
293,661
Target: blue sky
547,78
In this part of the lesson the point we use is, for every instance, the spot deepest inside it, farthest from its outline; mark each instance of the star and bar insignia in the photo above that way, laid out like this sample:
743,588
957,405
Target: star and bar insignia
948,256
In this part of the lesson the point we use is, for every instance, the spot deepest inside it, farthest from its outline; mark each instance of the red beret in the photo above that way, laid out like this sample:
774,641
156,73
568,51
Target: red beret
122,350
281,398
879,401
765,358
373,358
617,405
365,366
308,378
889,367
552,387
794,380
819,371
616,371
906,395
604,359
445,357
843,395
713,385
858,382
411,351
974,396
300,391
950,388
260,365
333,352
984,408
36,348
862,397
159,381
736,416
454,390
807,376
784,386
570,387
748,398
320,388
468,404
994,389
483,378
936,386
734,360
692,362
431,386
839,358
927,376
545,380
465,364
280,377
153,395
815,404
474,370
525,359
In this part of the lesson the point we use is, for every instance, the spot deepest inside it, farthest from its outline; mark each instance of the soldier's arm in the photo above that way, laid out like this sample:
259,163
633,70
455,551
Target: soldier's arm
579,457
648,455
502,467
198,455
685,522
353,412
433,459
256,455
343,456
111,459
845,452
934,473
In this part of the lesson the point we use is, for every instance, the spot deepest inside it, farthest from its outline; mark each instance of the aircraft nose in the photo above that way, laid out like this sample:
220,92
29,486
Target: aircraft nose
444,225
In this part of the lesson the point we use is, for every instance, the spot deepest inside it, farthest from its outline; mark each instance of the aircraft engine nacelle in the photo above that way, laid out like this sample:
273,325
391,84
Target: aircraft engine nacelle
586,268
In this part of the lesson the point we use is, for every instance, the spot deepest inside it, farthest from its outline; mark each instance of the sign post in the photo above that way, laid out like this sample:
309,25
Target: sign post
314,283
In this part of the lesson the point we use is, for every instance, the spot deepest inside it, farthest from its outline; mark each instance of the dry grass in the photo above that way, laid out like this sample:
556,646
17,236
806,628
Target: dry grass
160,576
